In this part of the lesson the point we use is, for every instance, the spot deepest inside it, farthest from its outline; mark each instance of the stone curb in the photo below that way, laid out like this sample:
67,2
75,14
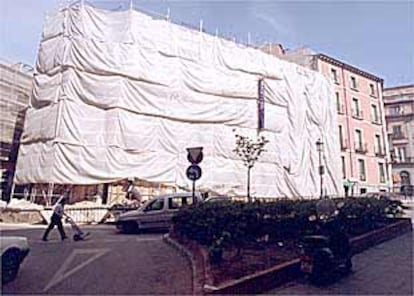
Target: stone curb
267,279
375,237
187,254
260,281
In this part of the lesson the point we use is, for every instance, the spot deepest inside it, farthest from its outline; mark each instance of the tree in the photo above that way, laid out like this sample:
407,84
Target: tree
249,151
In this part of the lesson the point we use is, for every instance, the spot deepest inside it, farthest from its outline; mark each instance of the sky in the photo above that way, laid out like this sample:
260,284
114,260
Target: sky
375,36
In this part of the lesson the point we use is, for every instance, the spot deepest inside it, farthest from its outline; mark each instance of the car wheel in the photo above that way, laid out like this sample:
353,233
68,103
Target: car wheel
10,265
129,227
348,265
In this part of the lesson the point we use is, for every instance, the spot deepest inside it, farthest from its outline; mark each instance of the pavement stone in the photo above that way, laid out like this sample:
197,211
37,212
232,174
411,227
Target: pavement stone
108,263
386,269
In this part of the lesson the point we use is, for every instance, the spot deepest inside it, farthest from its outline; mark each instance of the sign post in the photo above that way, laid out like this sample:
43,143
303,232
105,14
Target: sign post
193,172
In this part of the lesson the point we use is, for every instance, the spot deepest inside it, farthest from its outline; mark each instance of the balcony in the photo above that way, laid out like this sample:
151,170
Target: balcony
400,114
357,114
380,153
398,136
361,148
341,109
406,160
344,144
376,121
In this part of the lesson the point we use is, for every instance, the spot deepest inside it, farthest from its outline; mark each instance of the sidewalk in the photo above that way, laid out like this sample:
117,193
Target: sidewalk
386,269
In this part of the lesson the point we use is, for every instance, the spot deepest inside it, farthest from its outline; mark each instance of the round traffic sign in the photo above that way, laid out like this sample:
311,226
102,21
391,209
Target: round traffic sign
193,172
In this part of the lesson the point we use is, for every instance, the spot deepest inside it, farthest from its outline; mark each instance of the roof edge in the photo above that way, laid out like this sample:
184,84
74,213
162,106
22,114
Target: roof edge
399,86
348,67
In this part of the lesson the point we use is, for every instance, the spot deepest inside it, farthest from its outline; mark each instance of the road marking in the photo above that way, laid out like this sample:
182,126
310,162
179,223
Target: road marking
149,239
63,273
98,240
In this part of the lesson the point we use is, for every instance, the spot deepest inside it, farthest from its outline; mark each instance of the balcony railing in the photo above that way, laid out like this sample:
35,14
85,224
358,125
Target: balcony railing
406,160
344,144
358,114
398,136
341,109
380,153
361,148
377,121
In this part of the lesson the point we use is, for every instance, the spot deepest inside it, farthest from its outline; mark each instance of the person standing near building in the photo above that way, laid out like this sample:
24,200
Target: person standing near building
133,193
56,219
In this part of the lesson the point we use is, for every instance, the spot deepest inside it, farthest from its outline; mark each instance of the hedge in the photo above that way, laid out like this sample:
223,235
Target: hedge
232,224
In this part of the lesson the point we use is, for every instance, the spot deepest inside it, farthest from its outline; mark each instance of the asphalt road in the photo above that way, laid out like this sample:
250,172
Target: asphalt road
106,263
386,269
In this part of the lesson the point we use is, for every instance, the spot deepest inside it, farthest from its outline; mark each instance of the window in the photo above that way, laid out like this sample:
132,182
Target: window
396,155
356,112
402,154
381,172
178,201
354,83
334,75
378,148
341,137
361,166
338,104
397,132
372,89
396,110
156,205
399,154
175,203
188,200
374,114
358,140
343,167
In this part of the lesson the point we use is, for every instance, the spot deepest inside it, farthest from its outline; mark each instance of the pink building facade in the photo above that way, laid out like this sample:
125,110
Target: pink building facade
361,122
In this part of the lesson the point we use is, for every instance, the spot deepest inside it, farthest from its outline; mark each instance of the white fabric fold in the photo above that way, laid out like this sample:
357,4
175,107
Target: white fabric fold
122,94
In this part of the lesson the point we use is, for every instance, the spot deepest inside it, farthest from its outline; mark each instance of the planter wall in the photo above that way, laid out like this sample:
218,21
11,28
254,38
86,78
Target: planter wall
265,280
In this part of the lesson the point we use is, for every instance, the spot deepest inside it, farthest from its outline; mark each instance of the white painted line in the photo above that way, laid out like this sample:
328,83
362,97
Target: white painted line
62,273
95,240
149,239
19,226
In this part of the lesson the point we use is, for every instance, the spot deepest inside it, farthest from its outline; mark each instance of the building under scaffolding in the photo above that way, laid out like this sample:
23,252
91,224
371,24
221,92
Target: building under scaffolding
15,89
120,94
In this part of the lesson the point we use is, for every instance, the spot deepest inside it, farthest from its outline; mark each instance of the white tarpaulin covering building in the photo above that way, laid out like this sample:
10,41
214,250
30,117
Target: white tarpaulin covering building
122,94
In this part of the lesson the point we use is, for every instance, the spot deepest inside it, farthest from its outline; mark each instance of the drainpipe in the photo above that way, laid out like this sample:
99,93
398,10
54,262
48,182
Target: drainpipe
348,125
410,138
385,136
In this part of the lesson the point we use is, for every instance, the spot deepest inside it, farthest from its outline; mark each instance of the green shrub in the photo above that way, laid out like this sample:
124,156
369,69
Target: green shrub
224,225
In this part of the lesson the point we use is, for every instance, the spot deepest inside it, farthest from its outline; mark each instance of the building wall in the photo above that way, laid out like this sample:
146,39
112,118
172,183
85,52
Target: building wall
399,114
15,89
371,150
368,93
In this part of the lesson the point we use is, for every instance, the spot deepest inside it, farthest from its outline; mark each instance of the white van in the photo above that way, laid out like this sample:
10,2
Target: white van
156,213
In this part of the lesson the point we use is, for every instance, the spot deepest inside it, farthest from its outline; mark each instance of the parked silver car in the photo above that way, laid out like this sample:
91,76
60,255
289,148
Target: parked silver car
156,213
13,251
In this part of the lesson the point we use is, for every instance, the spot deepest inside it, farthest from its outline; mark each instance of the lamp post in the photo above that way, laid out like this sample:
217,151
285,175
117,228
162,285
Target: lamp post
319,148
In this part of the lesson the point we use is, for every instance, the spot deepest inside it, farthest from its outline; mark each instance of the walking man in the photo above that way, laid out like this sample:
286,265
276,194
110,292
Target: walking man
56,219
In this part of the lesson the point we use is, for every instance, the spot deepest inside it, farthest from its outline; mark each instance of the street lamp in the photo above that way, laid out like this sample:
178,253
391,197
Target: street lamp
319,148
